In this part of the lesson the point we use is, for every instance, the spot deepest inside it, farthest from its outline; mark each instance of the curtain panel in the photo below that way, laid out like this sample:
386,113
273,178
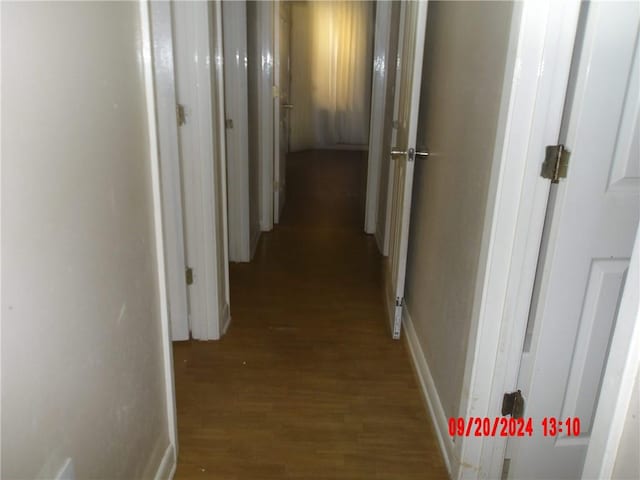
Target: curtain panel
331,68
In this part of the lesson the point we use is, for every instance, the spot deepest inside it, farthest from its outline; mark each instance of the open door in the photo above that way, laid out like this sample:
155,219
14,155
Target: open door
403,154
590,229
281,107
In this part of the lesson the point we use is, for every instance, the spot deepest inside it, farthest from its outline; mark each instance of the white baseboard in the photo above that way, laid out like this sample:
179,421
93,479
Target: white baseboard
167,467
225,320
429,391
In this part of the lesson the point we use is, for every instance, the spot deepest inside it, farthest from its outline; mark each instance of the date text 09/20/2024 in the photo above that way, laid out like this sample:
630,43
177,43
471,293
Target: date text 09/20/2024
512,427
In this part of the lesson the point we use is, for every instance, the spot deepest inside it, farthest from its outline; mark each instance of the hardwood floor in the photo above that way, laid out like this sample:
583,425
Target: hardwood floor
307,383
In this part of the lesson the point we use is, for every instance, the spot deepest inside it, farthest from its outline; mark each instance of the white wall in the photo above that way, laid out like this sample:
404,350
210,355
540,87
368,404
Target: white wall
464,62
82,359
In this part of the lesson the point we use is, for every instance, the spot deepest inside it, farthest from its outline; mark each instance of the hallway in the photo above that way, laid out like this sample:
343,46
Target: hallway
307,383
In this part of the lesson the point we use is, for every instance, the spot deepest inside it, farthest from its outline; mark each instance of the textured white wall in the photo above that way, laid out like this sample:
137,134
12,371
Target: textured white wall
82,362
464,62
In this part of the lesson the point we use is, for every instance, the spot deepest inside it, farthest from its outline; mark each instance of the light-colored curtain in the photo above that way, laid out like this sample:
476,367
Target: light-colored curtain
331,65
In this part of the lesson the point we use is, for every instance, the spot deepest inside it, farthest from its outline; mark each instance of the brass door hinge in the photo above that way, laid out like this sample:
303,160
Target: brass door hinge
189,275
181,116
556,163
513,404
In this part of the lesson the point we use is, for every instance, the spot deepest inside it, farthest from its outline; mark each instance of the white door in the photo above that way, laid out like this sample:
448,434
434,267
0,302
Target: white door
281,105
410,71
591,223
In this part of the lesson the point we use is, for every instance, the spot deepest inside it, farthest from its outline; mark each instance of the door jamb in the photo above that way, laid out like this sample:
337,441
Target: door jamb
168,149
211,278
236,110
216,53
543,35
266,98
275,179
208,287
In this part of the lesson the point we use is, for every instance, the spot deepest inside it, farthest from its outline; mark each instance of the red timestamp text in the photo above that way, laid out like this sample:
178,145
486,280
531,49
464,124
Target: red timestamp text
490,427
512,427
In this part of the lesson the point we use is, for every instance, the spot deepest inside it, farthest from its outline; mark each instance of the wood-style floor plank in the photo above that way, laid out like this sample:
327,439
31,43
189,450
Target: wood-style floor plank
307,383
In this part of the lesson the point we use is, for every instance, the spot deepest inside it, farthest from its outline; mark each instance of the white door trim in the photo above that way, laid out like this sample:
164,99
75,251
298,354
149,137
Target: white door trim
156,184
266,126
381,65
208,296
213,193
221,207
171,189
538,64
237,111
277,182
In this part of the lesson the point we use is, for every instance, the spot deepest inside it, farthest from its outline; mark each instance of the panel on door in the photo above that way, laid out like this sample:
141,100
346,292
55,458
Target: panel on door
282,106
591,225
414,16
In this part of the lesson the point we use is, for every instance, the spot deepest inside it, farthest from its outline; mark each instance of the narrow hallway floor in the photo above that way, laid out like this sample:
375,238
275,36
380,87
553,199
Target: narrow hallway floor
307,383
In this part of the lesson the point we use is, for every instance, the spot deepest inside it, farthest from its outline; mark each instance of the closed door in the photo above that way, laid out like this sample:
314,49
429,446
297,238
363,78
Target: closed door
414,16
591,224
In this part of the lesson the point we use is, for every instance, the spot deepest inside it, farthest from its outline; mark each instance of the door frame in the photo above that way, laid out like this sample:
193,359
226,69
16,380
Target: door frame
266,98
237,111
171,192
542,35
379,90
541,45
212,278
243,244
276,183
